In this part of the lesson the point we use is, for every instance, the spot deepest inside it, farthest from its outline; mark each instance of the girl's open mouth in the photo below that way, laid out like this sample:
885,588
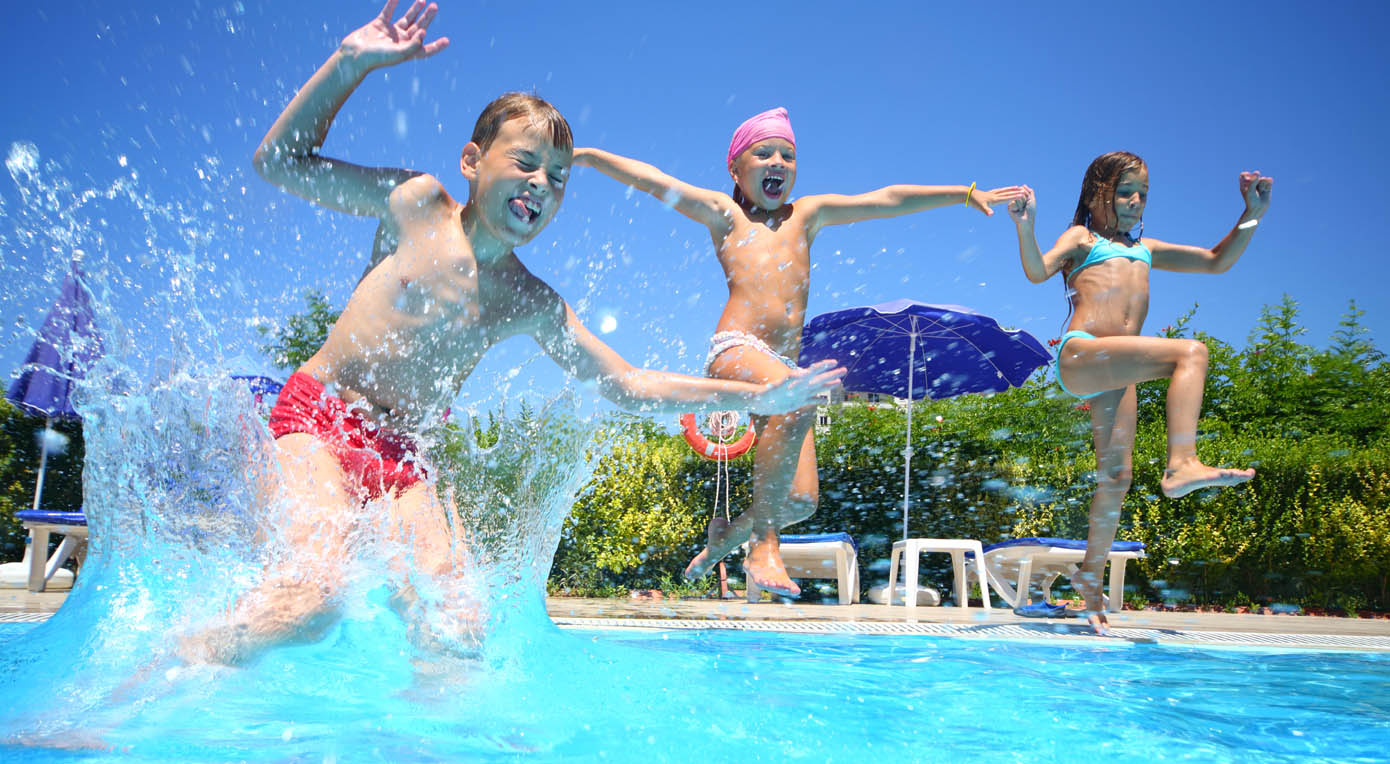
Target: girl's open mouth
772,186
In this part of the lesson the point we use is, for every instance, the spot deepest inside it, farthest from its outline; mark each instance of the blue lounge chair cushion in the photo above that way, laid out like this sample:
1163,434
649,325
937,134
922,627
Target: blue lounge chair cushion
1118,546
45,516
816,538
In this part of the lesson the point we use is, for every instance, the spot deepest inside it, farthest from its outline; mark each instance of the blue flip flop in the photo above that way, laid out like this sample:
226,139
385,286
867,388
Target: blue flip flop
1042,610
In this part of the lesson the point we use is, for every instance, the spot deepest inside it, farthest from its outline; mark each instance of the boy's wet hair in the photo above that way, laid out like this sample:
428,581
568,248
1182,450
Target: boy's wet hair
516,104
1102,177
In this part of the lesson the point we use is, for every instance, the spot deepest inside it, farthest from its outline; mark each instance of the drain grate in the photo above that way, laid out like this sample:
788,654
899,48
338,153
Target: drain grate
1060,633
24,617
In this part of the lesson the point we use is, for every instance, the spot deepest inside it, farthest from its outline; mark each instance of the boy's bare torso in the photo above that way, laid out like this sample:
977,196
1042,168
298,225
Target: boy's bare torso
420,320
767,264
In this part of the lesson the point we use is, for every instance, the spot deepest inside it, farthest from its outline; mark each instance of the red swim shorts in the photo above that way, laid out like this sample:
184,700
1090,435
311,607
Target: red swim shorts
375,458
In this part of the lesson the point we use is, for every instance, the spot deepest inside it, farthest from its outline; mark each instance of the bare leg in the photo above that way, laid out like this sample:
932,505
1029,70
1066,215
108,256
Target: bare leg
295,601
1112,429
785,488
428,544
1111,363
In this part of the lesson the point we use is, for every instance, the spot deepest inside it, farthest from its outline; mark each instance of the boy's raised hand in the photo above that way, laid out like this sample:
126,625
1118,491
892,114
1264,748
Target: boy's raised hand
983,200
800,388
382,43
1256,189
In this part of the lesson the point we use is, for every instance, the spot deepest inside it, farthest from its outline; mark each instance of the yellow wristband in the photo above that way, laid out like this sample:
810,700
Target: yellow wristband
970,191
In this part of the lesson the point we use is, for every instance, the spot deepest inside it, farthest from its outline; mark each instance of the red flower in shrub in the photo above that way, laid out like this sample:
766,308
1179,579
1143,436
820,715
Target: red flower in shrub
1082,407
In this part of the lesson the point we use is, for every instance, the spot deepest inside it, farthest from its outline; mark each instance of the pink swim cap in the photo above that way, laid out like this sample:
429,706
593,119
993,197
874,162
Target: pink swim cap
772,123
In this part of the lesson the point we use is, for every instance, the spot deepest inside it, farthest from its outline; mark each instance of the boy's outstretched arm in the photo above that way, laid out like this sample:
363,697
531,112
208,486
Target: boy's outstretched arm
1256,191
702,205
583,355
891,201
1037,265
288,155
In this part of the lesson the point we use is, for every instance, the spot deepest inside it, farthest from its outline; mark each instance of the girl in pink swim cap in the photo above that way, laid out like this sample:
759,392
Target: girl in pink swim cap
763,241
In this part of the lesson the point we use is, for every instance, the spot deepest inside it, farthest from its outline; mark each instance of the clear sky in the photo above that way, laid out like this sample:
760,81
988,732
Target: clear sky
893,92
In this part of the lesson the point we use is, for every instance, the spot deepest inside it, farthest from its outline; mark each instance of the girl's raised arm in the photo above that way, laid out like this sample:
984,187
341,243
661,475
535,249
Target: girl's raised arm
1037,265
1178,257
891,201
702,205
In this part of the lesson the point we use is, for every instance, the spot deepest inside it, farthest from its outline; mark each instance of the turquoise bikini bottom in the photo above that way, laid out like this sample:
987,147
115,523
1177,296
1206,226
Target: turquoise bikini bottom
1057,362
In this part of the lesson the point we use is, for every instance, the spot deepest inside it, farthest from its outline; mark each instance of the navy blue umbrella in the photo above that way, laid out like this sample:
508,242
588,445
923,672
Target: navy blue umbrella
67,345
909,349
261,386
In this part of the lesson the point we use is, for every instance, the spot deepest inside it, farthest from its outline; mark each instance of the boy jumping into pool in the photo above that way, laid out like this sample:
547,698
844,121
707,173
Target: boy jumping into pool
445,285
763,242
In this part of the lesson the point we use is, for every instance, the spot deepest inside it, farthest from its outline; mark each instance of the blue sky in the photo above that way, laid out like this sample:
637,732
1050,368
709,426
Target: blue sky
893,93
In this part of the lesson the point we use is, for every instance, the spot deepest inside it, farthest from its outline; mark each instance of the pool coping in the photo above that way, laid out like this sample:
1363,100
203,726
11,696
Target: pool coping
1051,632
1128,628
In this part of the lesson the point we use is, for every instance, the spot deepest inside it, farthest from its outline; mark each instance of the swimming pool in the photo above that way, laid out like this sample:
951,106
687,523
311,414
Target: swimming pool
714,695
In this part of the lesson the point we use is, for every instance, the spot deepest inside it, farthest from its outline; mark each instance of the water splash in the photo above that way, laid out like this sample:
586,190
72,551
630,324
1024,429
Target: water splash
186,501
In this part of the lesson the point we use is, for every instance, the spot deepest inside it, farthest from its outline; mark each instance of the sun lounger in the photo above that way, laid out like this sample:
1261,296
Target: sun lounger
1012,565
820,555
39,569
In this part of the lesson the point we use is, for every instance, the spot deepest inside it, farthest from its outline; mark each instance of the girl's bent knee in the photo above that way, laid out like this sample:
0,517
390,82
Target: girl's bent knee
1196,353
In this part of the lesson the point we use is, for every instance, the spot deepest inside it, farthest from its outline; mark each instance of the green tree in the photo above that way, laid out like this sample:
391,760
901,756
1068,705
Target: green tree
1348,388
1273,394
290,345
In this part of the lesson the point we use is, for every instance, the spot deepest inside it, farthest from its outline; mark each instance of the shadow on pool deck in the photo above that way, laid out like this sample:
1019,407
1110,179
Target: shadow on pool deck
576,611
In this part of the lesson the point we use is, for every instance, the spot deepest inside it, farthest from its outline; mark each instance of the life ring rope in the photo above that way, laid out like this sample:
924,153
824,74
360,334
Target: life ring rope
724,423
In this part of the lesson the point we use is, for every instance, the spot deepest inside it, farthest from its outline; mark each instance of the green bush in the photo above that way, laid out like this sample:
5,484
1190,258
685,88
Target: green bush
643,515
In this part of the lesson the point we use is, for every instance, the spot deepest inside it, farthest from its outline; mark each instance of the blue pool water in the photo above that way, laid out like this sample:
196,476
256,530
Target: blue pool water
644,696
181,491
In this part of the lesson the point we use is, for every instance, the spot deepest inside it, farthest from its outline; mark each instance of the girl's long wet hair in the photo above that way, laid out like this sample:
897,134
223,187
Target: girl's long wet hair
1101,179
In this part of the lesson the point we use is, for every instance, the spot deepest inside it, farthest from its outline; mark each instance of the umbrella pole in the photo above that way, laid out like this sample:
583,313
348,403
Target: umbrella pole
907,452
43,461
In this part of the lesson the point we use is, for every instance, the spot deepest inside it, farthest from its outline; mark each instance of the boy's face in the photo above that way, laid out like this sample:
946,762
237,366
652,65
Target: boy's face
766,172
519,182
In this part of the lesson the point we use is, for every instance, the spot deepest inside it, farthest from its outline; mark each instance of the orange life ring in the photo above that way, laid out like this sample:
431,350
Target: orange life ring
715,450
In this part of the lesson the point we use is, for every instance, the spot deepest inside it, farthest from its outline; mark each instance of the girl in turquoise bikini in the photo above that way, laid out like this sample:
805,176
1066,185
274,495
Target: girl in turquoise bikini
1101,357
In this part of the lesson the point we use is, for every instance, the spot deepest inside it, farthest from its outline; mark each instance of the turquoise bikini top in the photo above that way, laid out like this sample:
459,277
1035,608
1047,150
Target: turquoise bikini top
1105,249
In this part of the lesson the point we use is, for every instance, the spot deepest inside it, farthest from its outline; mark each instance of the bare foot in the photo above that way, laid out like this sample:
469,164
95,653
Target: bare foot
1183,480
1098,621
763,566
716,549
